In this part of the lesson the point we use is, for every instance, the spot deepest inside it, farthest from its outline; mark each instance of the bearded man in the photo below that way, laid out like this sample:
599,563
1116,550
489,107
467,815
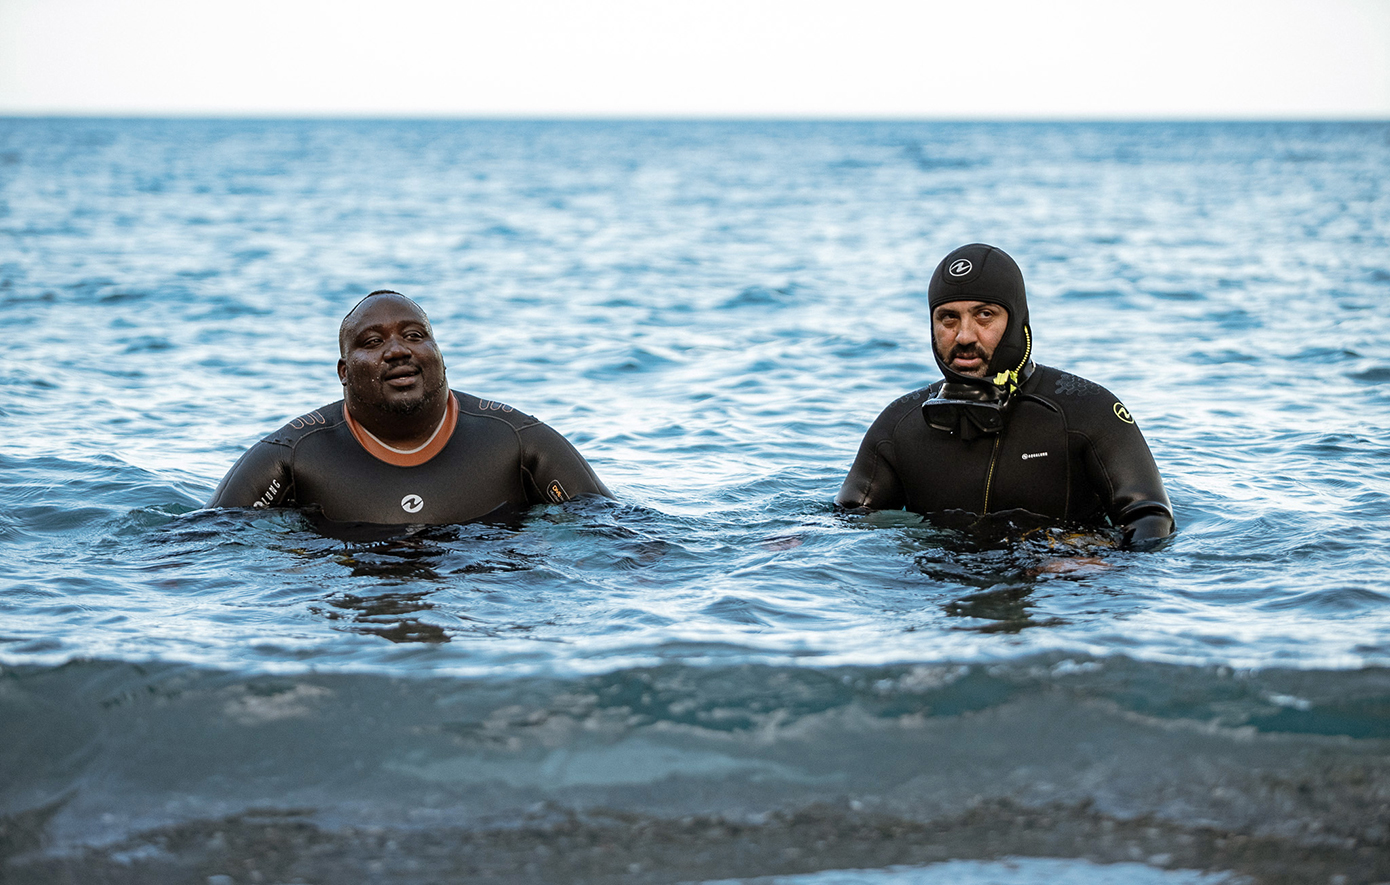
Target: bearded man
1000,432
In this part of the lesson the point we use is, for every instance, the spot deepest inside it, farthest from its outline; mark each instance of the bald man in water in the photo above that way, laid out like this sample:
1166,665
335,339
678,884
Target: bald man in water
401,447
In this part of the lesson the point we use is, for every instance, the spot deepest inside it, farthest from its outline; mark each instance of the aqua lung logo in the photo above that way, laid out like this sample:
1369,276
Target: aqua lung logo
960,267
1123,414
270,493
412,503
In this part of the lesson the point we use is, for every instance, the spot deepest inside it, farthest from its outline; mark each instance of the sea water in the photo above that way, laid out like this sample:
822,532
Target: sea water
720,676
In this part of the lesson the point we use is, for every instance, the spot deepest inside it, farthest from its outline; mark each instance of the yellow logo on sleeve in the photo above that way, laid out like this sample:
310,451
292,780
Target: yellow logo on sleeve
1123,414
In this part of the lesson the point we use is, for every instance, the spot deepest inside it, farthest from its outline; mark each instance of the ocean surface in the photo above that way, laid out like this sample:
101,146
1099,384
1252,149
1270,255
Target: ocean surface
720,678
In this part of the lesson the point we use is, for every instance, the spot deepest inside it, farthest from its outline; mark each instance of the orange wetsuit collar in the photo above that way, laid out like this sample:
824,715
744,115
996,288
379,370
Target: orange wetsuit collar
415,457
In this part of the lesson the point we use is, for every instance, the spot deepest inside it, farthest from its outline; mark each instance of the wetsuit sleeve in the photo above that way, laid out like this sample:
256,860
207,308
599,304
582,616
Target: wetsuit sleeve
260,478
553,470
1120,464
872,482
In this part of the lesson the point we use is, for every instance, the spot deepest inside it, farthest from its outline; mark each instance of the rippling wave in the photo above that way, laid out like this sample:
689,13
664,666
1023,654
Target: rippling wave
719,675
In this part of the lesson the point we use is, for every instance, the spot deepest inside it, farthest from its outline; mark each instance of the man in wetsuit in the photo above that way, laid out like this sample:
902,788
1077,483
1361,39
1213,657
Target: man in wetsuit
401,447
1000,432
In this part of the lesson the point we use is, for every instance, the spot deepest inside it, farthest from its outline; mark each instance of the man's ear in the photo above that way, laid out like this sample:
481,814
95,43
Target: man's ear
342,372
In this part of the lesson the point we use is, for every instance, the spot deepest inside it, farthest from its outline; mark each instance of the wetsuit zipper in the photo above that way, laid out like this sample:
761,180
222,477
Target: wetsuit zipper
989,477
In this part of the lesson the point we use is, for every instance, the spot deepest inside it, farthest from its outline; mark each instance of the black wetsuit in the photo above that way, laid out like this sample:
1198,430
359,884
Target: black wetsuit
1069,450
496,458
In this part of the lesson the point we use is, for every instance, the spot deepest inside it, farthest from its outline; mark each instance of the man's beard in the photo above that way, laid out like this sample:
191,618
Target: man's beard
406,409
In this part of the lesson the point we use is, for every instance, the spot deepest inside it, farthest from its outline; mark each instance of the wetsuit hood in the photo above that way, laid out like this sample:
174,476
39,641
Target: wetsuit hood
967,405
978,272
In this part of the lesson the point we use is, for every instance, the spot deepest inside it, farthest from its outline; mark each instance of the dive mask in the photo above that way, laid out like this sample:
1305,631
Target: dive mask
966,410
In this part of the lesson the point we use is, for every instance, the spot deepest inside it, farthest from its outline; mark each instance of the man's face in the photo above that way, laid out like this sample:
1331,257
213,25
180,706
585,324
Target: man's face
966,334
390,360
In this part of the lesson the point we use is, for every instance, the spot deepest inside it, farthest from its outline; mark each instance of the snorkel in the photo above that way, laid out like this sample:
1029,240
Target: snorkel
967,406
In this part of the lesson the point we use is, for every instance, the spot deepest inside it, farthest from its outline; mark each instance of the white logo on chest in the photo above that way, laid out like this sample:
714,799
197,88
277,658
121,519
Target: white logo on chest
412,503
1035,455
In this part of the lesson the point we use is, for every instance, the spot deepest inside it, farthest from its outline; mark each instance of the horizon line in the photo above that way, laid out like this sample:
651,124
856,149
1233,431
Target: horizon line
325,116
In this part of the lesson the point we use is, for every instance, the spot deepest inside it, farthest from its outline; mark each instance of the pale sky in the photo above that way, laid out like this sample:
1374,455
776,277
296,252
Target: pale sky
976,59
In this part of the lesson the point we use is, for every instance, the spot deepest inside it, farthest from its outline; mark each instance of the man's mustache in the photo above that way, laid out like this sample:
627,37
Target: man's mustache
966,351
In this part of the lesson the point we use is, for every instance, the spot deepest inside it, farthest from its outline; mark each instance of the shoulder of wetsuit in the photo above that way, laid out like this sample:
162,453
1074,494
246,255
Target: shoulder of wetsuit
262,476
891,418
477,407
296,429
554,468
908,402
1080,399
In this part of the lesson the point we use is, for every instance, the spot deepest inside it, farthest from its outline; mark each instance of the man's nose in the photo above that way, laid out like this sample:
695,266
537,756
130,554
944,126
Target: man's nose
966,333
396,349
